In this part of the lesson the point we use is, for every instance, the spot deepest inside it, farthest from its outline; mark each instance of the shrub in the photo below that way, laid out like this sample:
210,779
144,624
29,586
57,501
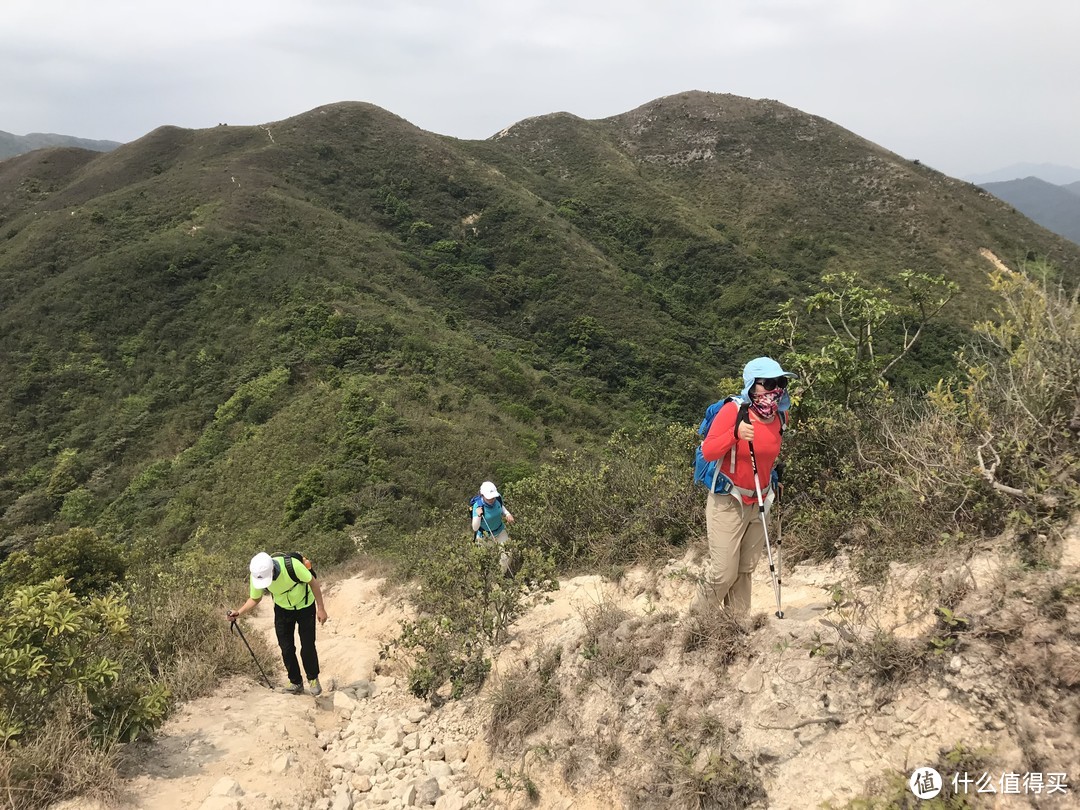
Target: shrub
90,563
996,443
633,502
53,647
465,603
78,674
311,488
1022,395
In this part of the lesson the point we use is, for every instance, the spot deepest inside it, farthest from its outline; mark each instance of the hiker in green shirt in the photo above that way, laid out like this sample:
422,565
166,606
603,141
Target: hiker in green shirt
298,602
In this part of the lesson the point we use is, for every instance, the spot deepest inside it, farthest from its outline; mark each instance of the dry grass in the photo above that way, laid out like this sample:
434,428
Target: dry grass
187,642
607,746
617,644
721,635
891,792
887,659
58,763
524,701
709,778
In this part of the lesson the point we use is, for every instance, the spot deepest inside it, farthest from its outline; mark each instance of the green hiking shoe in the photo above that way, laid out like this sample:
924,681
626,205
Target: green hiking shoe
293,689
314,688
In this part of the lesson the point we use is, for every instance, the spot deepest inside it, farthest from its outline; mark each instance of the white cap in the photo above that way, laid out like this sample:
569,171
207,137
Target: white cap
488,490
262,570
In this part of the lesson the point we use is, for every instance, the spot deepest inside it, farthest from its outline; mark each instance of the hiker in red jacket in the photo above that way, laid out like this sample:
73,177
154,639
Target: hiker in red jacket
736,534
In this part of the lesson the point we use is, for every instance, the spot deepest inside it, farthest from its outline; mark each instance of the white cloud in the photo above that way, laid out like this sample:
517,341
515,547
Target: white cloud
964,85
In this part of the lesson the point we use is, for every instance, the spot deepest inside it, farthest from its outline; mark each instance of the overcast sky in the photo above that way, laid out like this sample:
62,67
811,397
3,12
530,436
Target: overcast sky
966,86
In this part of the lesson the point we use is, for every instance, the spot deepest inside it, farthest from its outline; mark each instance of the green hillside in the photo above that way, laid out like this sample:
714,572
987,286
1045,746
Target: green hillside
327,329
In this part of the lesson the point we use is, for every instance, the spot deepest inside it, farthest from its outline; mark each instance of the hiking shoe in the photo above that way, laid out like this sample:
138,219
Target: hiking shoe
293,689
314,688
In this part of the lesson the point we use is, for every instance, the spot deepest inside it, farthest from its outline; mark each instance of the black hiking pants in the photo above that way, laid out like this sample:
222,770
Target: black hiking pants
285,623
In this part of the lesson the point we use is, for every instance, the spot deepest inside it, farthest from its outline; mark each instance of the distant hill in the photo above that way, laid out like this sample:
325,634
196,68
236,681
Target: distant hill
1056,208
1049,172
318,331
12,145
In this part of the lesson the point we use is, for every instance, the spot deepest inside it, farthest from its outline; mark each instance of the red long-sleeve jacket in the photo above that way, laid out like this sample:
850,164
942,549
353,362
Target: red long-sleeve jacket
721,437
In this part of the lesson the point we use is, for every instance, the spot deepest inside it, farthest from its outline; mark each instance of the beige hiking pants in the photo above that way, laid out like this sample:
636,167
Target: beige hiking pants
736,538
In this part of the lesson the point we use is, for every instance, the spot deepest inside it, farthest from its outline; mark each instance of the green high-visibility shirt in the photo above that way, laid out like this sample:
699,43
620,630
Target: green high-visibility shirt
288,593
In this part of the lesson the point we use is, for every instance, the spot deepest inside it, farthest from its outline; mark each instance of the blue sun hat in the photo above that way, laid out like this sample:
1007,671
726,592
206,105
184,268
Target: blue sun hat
762,368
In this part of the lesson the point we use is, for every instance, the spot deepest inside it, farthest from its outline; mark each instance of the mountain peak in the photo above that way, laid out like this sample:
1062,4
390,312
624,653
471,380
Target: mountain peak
1048,172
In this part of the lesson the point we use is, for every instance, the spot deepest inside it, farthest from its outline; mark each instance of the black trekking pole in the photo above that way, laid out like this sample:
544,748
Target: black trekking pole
236,627
765,527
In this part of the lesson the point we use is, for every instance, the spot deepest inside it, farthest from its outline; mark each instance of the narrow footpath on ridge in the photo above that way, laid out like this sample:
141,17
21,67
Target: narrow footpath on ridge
811,727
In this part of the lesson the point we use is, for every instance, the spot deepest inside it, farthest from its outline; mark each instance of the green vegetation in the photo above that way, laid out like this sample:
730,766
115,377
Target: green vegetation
81,674
215,342
465,604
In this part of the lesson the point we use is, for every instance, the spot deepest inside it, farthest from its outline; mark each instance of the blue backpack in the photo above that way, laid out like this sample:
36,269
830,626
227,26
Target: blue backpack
707,473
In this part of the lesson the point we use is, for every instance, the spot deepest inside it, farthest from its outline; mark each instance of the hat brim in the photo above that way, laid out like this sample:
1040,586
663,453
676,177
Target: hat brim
261,582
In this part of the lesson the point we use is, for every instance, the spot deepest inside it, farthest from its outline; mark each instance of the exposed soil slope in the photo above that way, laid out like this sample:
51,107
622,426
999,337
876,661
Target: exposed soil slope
807,710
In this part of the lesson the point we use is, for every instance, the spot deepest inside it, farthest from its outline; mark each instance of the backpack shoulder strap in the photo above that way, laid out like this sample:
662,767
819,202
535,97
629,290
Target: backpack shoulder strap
744,415
290,558
290,568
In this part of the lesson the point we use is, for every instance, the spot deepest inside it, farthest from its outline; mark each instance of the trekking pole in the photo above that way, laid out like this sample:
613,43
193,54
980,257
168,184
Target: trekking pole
236,627
495,542
779,520
765,527
483,517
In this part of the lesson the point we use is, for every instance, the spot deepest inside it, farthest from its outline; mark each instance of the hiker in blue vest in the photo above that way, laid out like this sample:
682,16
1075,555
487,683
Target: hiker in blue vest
489,519
298,602
736,535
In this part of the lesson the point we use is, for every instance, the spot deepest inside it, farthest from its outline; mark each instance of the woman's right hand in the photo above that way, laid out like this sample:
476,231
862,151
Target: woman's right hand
746,431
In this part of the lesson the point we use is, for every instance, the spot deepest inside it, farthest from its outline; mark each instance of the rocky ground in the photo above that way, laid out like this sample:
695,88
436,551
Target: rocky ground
605,695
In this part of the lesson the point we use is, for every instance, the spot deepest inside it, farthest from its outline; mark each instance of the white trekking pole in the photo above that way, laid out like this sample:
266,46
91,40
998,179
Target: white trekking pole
765,526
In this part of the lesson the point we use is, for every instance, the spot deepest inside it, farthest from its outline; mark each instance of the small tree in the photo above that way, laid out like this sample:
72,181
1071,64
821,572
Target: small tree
843,343
853,335
55,654
1023,394
465,603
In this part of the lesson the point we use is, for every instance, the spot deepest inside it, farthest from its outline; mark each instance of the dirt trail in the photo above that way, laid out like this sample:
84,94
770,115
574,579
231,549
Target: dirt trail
265,741
812,730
